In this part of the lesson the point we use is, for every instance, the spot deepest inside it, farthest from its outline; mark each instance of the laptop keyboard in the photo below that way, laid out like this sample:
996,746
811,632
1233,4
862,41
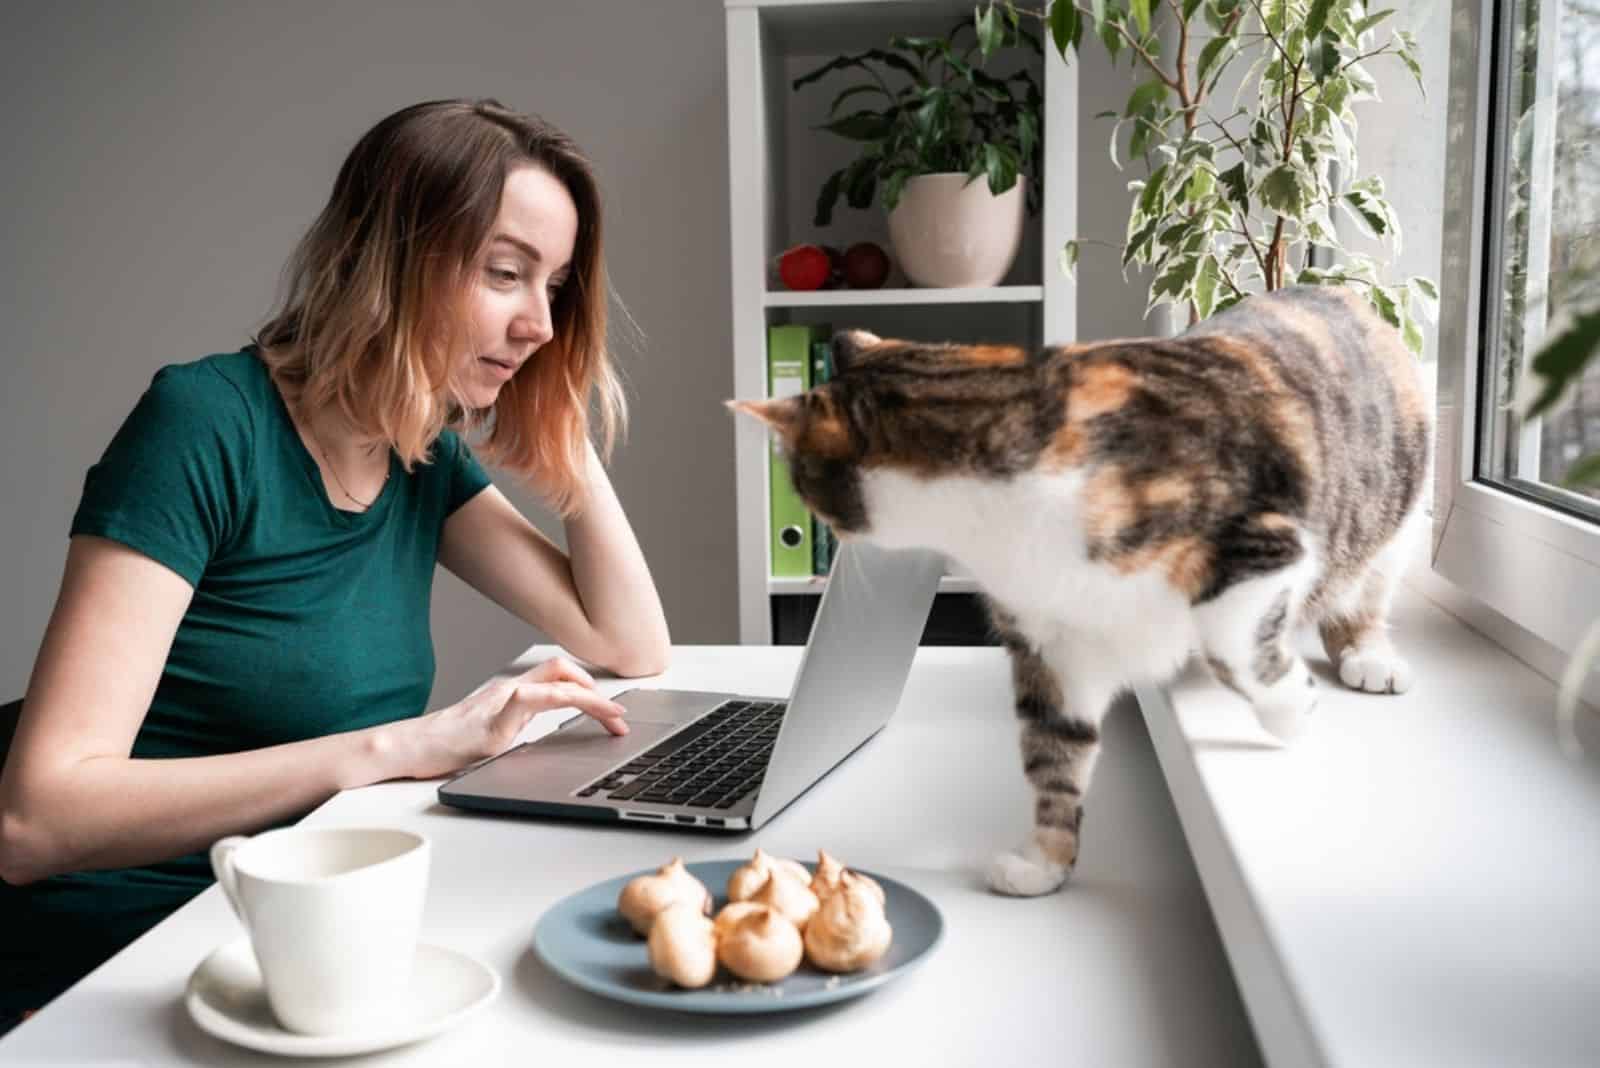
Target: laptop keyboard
713,763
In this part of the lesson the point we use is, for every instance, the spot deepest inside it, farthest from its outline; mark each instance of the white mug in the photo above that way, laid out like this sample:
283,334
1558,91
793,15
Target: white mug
333,916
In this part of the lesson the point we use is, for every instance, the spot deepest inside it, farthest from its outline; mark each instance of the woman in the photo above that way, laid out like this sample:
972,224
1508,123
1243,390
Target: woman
242,627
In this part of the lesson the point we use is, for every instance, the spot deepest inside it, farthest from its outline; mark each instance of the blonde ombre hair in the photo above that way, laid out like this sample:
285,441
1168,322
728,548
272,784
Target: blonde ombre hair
375,291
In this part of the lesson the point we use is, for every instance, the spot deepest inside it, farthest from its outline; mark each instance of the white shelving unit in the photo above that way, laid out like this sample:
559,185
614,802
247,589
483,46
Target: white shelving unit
777,161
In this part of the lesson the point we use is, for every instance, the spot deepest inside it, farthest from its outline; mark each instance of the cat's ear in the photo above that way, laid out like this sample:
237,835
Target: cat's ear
848,344
782,414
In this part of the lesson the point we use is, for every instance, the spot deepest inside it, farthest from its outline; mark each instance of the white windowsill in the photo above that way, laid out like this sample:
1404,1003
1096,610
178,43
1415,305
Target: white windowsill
1417,880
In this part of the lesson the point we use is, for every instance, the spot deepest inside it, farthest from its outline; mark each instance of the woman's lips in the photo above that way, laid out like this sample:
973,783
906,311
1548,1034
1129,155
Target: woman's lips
499,368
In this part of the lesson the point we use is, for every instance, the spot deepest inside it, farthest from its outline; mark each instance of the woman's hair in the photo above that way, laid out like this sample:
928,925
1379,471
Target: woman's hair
374,295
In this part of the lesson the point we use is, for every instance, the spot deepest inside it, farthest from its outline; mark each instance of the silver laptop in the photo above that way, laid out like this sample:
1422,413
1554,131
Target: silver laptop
728,762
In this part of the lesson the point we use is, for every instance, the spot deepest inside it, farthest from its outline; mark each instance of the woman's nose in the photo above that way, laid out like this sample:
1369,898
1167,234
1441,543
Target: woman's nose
533,324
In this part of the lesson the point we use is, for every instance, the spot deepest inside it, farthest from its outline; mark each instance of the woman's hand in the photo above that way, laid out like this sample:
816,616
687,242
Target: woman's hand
485,722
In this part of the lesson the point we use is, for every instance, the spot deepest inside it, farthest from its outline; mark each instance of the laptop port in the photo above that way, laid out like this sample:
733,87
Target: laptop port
716,821
684,819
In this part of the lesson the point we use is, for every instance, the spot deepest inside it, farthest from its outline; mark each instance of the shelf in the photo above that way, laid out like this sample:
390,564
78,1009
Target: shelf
856,298
809,27
947,584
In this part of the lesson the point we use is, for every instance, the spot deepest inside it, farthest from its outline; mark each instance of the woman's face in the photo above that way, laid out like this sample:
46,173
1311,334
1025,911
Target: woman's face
528,257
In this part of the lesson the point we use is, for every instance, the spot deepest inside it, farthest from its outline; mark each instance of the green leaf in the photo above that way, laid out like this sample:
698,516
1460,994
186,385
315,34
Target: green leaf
1111,39
1190,7
827,68
1562,358
1175,279
991,31
1415,68
892,188
1139,242
1325,56
1205,286
1097,12
1411,333
1363,25
861,183
1371,219
1146,97
1317,17
1235,184
1211,54
854,90
1385,304
1150,200
1425,295
1064,25
861,126
828,198
1583,473
1201,185
1000,167
1141,15
1069,259
1227,302
1283,190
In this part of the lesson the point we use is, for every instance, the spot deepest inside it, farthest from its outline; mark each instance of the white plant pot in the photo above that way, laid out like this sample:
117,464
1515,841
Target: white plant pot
947,232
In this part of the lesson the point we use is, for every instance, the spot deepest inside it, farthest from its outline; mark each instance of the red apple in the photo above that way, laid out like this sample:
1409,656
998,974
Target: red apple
866,266
805,267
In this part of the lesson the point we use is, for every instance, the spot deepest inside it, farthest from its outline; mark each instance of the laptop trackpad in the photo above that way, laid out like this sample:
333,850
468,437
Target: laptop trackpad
584,736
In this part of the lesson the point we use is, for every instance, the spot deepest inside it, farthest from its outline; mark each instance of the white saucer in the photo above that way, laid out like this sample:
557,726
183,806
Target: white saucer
227,999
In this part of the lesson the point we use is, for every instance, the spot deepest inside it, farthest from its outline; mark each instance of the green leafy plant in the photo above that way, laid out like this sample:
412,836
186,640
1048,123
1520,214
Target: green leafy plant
1242,188
928,105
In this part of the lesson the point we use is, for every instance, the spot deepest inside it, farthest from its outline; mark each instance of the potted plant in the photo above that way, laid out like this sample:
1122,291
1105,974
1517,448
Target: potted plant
931,120
1243,186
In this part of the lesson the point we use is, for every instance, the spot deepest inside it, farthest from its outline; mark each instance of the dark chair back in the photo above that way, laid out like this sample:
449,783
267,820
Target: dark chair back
10,712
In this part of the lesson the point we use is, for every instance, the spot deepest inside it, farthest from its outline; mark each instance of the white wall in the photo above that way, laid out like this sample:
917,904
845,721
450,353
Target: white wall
160,160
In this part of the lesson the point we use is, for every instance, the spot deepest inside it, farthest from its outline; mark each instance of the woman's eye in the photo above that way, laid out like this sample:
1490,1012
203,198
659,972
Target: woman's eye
500,274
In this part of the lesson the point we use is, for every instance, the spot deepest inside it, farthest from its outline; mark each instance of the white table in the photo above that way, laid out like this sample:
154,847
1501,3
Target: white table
1123,967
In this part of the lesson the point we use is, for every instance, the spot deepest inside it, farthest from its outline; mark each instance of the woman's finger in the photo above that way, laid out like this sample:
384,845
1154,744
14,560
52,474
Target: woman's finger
559,669
570,695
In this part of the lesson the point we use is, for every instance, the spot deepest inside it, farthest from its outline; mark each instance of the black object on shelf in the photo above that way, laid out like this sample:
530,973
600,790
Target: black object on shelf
955,619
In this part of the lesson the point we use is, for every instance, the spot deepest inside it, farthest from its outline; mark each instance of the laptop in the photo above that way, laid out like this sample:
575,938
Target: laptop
731,762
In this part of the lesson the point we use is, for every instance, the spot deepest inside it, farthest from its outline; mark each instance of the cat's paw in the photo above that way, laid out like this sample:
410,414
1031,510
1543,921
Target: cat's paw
1375,670
1285,710
1026,872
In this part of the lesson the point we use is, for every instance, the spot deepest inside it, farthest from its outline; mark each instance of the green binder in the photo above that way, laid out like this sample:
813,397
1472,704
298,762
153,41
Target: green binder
788,373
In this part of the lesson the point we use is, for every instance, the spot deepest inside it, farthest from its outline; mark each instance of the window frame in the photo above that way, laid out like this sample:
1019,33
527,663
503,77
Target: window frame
1534,564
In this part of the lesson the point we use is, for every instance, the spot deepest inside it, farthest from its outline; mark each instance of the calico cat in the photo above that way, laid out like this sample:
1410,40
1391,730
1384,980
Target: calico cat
1126,504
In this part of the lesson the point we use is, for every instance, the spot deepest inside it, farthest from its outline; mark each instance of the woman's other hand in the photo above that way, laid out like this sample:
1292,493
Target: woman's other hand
486,722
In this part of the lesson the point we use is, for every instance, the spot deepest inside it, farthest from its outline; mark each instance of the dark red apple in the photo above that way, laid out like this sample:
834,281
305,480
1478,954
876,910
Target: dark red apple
866,266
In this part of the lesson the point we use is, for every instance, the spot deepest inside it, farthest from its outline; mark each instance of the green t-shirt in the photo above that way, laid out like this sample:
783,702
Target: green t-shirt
306,620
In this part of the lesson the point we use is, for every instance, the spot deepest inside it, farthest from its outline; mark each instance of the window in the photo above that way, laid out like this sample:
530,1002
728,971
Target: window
1521,237
1547,207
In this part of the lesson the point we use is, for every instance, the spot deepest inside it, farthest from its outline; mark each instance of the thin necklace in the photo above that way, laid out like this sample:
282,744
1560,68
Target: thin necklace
339,481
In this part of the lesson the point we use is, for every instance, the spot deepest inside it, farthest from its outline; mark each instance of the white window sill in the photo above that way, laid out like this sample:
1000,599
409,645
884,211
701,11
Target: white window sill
1417,880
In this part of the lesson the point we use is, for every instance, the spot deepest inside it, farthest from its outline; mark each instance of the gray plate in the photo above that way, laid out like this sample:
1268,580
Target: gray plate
586,941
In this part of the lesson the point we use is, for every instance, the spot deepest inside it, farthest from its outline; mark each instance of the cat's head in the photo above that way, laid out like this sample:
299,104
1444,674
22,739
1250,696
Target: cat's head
908,408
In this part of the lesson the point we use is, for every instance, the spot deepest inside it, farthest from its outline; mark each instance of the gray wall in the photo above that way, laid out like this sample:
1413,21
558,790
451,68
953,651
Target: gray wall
161,159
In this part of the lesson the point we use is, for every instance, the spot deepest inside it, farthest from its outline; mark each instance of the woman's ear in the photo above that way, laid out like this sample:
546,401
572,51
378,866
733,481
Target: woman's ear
849,344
